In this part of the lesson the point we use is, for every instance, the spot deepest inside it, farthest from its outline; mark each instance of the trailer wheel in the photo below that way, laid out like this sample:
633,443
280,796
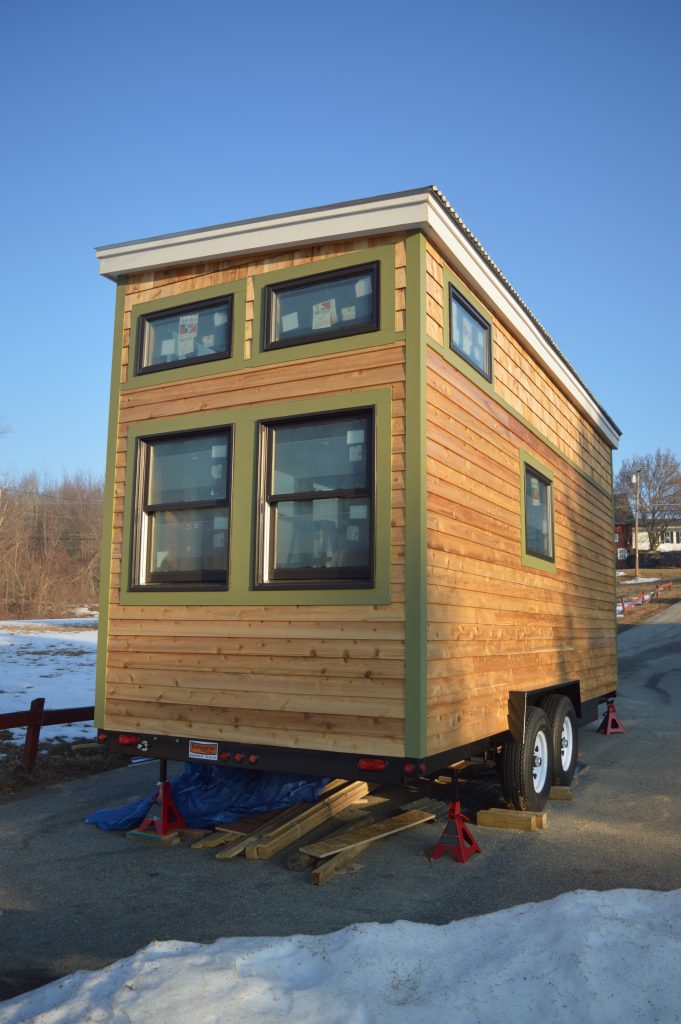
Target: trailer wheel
563,724
527,767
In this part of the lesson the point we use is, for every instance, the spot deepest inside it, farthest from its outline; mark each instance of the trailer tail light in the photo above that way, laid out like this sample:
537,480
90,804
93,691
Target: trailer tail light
101,736
238,757
224,756
127,740
372,764
408,768
252,758
423,767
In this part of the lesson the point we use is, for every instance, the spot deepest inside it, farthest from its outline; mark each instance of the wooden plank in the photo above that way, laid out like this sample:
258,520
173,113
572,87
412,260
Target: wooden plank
298,861
322,810
328,867
368,834
221,838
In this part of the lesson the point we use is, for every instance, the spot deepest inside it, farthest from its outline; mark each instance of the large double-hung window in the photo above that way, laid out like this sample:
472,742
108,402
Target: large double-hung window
182,515
316,508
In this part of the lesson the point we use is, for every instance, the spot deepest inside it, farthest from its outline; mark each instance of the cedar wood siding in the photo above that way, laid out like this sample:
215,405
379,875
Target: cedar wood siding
494,623
326,677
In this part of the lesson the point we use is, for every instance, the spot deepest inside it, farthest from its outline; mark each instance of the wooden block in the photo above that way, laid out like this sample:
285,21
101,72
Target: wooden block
522,821
234,849
561,793
368,834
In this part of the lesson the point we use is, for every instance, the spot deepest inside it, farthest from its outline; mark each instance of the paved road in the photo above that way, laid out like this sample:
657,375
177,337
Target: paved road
74,897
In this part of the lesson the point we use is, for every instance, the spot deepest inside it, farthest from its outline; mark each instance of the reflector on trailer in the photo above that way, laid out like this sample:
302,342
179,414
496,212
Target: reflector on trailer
372,764
253,758
127,740
408,768
238,757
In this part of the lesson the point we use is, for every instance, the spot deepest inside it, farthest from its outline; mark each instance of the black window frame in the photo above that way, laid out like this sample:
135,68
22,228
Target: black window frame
456,296
142,577
269,578
184,309
532,552
271,291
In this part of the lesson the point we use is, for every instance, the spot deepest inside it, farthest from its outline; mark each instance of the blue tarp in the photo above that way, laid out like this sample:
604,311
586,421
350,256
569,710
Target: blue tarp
208,795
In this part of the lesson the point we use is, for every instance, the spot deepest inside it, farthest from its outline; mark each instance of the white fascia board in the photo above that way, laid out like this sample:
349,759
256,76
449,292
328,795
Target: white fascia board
473,267
309,227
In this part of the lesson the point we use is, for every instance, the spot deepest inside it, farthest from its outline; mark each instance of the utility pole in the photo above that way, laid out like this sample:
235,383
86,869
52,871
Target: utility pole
636,479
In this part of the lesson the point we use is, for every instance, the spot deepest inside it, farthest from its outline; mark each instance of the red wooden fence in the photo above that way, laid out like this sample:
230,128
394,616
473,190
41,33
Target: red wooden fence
641,599
35,718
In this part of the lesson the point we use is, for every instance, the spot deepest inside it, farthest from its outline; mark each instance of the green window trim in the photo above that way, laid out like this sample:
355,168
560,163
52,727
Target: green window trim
242,567
383,255
144,576
529,559
468,369
234,291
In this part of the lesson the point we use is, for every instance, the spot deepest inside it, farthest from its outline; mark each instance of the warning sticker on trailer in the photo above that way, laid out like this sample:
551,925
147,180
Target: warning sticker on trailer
203,751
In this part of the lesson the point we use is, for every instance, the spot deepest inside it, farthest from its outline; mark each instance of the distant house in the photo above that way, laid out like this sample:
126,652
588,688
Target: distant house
624,529
671,539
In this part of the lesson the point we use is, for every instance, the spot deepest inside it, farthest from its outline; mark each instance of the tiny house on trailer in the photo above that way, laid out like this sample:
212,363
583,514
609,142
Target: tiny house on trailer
359,509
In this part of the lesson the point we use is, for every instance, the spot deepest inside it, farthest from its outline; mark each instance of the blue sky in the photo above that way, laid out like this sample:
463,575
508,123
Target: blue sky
553,129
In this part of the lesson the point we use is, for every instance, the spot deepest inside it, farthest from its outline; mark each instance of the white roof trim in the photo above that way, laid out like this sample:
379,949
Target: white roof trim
406,211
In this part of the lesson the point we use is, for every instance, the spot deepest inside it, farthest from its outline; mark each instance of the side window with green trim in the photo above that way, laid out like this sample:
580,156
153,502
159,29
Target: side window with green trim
317,501
182,511
180,336
322,306
538,515
470,333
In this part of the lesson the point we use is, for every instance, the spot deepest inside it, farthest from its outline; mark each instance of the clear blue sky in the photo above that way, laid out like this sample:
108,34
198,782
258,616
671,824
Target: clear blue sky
553,129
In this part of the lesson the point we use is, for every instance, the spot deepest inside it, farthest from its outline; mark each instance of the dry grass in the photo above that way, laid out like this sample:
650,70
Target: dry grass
56,762
631,590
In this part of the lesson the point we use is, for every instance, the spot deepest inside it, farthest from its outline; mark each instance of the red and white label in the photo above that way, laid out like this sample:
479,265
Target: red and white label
202,751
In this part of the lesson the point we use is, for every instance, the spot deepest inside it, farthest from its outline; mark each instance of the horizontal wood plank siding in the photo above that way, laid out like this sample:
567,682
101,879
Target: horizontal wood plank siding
521,382
327,677
495,624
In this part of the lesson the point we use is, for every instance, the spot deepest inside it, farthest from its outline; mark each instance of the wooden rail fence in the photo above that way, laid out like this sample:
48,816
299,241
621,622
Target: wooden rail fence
35,718
643,597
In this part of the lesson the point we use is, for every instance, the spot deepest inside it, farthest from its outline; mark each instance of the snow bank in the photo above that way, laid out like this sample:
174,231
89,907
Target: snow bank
592,957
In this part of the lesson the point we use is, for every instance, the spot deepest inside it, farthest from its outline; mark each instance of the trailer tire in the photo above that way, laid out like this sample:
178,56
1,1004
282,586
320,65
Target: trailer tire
527,767
563,724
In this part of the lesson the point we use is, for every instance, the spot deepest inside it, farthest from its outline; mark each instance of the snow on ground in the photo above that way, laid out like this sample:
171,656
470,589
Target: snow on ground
585,956
50,658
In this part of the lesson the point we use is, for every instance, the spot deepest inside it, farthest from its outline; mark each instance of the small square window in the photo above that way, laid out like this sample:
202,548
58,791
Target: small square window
188,334
538,515
182,516
317,509
470,334
322,307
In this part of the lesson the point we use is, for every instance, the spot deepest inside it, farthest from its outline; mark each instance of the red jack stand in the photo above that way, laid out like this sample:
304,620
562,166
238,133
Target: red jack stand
165,824
611,722
457,837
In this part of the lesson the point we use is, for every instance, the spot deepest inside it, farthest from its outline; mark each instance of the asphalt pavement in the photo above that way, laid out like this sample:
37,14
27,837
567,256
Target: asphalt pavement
73,897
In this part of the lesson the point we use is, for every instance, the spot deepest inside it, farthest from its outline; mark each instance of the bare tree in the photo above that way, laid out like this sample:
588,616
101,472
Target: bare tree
660,491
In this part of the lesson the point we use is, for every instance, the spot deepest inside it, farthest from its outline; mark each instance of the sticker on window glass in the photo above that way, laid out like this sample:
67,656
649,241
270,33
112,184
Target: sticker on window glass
168,347
216,471
220,522
354,437
324,315
219,318
349,313
189,326
208,341
355,452
289,322
352,533
363,287
219,451
358,511
534,488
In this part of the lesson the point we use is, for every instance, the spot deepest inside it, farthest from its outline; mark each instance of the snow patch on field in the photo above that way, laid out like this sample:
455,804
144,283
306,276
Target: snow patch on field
603,957
50,658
